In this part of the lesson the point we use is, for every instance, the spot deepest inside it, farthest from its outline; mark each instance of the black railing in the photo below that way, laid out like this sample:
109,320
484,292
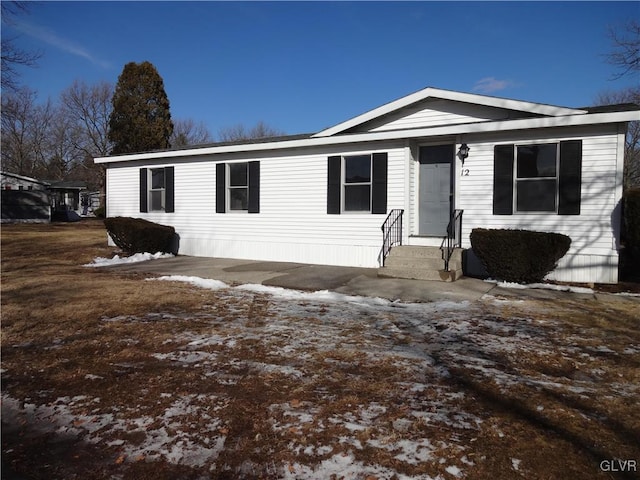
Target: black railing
391,233
453,239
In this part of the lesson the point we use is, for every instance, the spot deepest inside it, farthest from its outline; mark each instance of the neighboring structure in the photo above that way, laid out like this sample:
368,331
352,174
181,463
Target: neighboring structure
90,201
431,163
65,195
11,181
26,199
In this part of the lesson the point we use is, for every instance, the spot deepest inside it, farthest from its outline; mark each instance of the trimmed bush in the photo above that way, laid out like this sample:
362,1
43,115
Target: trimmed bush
99,212
135,235
520,256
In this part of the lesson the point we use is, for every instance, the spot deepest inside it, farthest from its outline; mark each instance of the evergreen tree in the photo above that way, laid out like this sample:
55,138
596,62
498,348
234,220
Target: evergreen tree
140,120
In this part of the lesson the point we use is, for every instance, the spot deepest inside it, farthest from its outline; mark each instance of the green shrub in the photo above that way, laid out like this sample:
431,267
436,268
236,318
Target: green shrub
135,235
520,256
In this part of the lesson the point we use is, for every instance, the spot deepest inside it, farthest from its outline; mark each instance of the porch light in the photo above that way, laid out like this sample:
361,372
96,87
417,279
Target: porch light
463,152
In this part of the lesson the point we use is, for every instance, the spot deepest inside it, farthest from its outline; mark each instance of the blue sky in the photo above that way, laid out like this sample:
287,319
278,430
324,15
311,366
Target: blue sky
304,66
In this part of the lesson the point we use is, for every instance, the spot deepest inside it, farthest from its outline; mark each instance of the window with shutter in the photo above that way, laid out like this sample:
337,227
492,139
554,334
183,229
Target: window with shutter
238,187
543,177
157,189
357,183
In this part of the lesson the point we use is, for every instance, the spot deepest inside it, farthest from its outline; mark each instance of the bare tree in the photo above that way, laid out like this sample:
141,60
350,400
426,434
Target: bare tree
632,142
25,127
240,132
86,109
62,154
188,132
89,108
626,54
12,56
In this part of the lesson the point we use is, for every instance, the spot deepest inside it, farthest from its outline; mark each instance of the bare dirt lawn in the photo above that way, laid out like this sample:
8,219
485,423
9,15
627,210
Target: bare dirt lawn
112,375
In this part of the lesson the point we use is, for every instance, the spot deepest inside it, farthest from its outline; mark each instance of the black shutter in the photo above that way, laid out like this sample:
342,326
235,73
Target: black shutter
334,173
169,186
503,180
570,178
144,196
379,185
254,187
221,186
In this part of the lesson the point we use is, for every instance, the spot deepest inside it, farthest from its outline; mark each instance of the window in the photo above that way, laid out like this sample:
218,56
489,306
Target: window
536,177
357,183
238,186
157,190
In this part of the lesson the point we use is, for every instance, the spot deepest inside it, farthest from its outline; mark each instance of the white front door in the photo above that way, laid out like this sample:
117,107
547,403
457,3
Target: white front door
435,190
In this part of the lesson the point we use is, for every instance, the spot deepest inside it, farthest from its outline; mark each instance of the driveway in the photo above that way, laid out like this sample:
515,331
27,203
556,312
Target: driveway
347,280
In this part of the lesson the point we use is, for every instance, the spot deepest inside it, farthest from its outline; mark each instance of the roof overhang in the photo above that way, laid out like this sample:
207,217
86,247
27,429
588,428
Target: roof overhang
436,93
467,128
27,179
63,187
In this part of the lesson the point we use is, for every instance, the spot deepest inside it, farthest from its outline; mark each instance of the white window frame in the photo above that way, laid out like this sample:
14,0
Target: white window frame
230,187
344,185
163,190
517,179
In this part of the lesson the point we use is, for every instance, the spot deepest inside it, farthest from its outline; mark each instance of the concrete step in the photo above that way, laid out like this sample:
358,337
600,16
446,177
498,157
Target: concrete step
424,263
420,274
421,263
412,251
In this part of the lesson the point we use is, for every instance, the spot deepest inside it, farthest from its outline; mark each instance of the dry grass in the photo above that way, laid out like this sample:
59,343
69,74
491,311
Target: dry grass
553,385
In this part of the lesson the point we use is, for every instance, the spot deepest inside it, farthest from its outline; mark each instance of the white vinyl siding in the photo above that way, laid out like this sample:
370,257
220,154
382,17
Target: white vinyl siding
593,251
293,224
435,112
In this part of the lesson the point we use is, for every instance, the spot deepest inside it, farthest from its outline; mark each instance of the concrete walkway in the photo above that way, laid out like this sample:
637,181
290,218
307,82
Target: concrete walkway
347,280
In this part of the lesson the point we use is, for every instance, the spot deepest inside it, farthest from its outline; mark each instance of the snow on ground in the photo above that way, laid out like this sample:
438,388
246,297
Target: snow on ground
315,296
117,260
541,286
315,339
209,284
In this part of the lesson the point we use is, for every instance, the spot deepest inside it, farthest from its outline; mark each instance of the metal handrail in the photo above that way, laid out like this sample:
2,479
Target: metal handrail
391,233
453,239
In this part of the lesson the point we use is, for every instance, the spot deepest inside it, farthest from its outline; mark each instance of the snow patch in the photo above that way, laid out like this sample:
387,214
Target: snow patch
627,294
541,286
135,258
344,465
318,296
206,283
453,470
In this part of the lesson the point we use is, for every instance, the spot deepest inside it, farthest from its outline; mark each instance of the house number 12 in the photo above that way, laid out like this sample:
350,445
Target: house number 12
464,172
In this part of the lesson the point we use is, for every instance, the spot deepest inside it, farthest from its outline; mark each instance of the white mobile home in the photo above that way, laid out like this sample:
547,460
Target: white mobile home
433,163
